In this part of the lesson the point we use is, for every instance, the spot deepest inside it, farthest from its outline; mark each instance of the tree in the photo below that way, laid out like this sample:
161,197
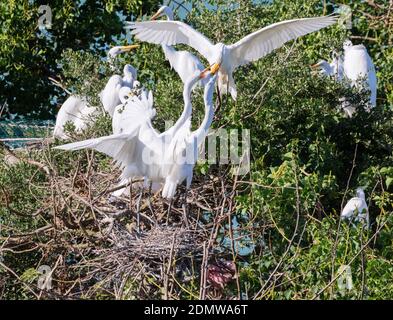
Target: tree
29,55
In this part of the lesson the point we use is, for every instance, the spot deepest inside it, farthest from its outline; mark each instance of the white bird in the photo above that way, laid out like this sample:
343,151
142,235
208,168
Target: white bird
76,111
356,208
227,58
143,151
115,51
333,69
110,95
119,124
184,62
358,65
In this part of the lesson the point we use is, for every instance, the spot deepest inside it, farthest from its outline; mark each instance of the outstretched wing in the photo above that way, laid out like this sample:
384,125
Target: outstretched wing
171,33
119,146
260,43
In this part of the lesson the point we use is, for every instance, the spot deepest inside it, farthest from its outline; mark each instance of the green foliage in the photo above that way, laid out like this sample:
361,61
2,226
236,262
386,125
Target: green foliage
28,55
307,157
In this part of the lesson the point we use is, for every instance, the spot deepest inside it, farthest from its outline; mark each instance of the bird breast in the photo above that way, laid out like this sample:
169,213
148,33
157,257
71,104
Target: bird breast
356,63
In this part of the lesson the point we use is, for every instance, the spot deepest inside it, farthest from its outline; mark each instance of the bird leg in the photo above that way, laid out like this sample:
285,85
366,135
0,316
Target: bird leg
138,207
130,204
149,198
185,208
169,210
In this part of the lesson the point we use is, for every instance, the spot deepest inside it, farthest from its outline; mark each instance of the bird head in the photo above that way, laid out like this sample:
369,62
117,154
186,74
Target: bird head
360,193
347,44
322,66
164,10
130,70
121,49
125,93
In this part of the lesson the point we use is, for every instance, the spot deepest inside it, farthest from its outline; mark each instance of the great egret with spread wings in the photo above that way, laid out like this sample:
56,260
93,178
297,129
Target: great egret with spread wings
143,151
227,58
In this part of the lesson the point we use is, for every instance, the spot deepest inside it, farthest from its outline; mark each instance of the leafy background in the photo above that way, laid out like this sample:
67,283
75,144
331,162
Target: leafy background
307,158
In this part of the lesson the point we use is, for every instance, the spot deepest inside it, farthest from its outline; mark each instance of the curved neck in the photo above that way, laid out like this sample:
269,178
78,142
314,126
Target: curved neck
200,134
169,15
128,78
187,106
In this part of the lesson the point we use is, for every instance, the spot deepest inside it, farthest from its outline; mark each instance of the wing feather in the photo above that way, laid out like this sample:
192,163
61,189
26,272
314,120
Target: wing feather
171,33
260,43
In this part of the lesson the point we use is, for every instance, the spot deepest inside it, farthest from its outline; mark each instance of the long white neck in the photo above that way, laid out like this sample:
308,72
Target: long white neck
128,79
187,105
169,14
200,134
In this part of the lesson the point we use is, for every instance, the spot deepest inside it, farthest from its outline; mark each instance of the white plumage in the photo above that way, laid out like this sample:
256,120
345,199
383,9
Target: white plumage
358,65
356,208
333,69
143,151
76,111
110,95
184,62
228,57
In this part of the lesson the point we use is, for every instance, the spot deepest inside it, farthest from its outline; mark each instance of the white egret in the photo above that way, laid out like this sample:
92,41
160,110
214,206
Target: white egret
110,95
333,69
358,65
356,208
355,66
119,124
158,157
142,150
227,58
184,62
76,111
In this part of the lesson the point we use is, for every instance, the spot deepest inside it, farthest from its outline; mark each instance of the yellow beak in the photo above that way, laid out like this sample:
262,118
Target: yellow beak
157,15
315,66
214,68
129,48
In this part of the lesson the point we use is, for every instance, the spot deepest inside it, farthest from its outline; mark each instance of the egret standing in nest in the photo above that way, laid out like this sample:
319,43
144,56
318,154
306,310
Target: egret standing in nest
357,67
167,157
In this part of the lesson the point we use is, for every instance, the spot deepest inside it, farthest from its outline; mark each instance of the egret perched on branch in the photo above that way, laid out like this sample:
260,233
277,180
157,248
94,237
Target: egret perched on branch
358,65
356,208
184,62
355,66
75,110
110,95
227,58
